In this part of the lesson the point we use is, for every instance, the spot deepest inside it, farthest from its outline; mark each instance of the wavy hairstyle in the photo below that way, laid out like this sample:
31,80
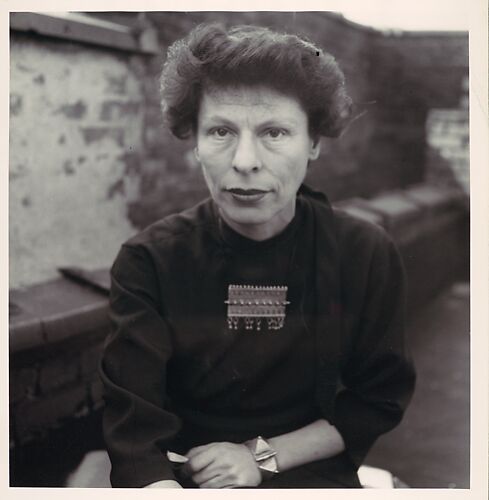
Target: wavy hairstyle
211,56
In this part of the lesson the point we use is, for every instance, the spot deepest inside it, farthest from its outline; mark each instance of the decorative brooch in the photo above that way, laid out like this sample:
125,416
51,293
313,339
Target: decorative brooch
252,304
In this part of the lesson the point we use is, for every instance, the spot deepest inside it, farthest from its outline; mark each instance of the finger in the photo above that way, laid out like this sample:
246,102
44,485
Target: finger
217,482
199,462
197,450
207,474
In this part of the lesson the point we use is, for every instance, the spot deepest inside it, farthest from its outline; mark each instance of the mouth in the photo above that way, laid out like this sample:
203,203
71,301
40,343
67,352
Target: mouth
248,195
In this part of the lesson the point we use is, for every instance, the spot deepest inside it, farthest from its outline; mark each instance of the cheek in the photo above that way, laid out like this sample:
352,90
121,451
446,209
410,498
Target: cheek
211,165
212,178
210,148
214,157
291,172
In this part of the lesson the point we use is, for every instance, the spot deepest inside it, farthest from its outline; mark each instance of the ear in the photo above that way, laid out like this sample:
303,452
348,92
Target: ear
315,149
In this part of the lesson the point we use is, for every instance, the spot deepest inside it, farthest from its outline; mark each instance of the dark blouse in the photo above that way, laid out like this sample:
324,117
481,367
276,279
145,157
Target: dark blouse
176,376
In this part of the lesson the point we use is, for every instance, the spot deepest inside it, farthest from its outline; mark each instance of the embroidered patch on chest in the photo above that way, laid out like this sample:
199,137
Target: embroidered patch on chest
250,305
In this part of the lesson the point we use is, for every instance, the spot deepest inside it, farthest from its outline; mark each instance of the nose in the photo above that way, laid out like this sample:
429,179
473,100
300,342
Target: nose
246,156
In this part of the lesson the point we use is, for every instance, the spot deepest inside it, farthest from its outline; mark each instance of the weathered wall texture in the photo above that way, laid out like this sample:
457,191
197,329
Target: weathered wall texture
448,156
76,120
448,137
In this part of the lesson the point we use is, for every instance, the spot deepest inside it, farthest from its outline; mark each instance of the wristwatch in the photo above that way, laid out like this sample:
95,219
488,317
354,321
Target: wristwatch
265,456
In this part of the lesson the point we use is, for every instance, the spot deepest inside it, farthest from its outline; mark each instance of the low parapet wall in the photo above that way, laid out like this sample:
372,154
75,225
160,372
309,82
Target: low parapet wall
431,228
57,330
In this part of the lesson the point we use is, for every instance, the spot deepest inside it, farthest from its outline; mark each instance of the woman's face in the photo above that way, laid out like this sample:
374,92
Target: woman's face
254,146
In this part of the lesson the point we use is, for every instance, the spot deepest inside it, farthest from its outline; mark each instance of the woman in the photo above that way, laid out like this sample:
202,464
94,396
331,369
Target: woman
259,335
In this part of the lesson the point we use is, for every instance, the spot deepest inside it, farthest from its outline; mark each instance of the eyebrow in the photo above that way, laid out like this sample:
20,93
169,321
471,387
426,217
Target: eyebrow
268,123
220,119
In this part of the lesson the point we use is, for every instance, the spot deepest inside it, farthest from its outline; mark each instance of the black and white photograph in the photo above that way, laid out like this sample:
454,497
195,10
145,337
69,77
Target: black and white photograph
239,248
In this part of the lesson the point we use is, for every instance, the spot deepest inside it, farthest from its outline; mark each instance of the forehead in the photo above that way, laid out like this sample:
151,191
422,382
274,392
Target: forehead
259,101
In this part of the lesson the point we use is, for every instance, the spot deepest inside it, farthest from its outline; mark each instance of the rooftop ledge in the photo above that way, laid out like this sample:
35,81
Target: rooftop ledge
82,28
50,312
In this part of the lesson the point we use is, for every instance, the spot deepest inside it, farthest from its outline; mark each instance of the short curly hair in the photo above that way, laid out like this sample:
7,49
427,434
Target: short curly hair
211,56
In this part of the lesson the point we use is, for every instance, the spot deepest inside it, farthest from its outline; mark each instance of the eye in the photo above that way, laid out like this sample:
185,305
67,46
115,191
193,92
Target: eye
219,132
275,133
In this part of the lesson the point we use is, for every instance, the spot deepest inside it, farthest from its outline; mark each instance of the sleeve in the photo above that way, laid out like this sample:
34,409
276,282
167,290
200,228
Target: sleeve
133,369
378,376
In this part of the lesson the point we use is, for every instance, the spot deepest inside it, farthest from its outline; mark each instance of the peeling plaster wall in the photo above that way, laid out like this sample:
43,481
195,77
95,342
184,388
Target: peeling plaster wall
75,137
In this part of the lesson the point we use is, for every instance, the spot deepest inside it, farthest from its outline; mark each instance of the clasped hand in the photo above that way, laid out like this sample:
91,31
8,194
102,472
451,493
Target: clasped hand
222,465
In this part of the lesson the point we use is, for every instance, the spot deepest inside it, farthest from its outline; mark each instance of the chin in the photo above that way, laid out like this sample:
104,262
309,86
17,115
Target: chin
248,221
248,216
